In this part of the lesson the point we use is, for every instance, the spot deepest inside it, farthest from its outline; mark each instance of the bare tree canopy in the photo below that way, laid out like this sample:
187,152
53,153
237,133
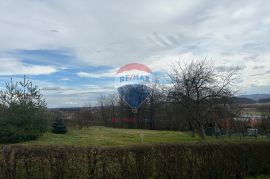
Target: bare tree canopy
201,89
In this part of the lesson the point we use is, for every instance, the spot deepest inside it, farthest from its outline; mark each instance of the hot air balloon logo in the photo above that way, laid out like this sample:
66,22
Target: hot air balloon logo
133,84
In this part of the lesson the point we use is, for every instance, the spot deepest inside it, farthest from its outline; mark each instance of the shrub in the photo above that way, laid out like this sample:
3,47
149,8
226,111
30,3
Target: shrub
228,160
58,127
23,113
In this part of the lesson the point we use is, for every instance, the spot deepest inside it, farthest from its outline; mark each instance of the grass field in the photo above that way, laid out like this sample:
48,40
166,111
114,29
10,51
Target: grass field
103,136
112,137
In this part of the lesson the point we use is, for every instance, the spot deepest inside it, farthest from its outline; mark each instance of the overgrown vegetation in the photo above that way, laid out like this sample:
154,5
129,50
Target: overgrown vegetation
23,112
58,126
146,161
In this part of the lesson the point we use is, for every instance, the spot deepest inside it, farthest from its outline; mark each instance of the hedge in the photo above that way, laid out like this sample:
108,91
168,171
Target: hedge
225,160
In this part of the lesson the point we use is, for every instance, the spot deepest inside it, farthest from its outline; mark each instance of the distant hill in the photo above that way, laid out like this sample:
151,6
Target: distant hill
242,100
266,100
256,97
67,109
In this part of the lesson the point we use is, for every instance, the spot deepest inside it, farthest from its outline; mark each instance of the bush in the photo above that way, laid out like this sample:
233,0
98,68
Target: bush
23,113
196,161
21,123
58,127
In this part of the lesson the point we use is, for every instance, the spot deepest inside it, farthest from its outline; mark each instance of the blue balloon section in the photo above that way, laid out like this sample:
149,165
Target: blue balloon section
134,94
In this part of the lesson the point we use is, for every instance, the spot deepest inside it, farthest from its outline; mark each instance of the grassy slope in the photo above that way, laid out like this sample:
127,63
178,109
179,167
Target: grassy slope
121,137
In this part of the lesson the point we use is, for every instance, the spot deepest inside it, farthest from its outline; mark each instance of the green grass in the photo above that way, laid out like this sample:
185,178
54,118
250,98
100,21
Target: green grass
104,136
237,138
112,137
259,177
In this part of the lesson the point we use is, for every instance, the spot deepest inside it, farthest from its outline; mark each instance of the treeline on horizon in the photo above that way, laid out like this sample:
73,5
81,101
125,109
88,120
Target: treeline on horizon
199,98
165,116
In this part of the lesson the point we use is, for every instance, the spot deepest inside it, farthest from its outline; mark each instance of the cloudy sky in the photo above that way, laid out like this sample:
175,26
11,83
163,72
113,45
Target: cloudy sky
71,49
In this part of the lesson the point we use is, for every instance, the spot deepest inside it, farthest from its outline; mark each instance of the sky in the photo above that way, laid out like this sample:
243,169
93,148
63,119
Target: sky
72,49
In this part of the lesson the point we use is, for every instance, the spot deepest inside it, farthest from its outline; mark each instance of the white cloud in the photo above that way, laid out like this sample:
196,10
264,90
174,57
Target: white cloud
65,79
16,67
109,73
154,32
117,34
60,95
74,96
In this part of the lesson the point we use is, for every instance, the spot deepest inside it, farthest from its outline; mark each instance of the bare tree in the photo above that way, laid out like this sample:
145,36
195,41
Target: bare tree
103,105
113,100
84,117
264,109
201,90
155,99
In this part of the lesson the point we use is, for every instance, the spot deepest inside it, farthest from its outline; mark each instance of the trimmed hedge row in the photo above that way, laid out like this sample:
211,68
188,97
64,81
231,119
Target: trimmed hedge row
226,160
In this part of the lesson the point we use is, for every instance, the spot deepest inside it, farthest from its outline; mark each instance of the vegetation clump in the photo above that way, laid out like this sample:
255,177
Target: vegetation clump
23,113
58,127
194,161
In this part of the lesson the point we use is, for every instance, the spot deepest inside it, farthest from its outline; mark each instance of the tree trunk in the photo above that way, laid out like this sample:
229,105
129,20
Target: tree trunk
113,116
230,134
152,122
192,129
202,132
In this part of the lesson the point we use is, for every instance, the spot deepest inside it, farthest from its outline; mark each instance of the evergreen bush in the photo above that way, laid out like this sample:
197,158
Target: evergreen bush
58,127
23,114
